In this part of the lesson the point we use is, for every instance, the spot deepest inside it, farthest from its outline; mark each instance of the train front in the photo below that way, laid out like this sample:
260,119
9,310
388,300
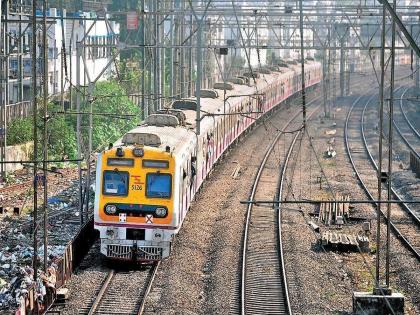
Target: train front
134,203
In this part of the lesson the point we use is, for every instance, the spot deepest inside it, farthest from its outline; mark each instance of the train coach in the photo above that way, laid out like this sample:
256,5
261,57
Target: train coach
146,181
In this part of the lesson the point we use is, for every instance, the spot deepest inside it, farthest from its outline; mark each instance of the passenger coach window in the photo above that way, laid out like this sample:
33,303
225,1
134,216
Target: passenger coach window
115,183
158,185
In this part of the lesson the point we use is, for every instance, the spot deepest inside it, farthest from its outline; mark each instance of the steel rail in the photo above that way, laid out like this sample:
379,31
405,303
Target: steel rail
373,162
363,185
148,288
405,115
101,293
249,210
279,197
141,302
250,206
400,133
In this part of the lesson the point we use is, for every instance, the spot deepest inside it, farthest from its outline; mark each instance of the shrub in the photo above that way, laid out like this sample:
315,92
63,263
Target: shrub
110,97
19,131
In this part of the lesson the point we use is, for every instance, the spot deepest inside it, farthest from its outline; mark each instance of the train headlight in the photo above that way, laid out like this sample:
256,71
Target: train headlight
120,152
138,152
161,212
111,209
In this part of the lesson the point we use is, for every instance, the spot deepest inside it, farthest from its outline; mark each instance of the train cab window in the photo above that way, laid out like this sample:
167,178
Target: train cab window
158,185
115,183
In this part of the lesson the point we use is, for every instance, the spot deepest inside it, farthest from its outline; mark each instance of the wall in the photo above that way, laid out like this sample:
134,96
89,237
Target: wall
20,152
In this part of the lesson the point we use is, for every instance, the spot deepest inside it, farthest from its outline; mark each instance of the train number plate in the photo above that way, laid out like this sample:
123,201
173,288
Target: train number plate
136,187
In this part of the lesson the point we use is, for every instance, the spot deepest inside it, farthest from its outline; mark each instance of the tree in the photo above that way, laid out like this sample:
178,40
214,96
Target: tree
110,99
61,136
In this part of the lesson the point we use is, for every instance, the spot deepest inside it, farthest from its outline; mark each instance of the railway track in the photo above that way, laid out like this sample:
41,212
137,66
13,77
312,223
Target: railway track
410,138
404,222
264,288
263,283
16,187
123,292
413,129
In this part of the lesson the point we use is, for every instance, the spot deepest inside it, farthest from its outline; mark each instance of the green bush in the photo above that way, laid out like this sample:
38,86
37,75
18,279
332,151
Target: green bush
110,97
20,131
61,138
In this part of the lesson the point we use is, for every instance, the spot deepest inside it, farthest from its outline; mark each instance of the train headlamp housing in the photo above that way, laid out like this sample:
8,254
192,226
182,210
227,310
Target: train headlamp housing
110,209
138,152
161,212
120,152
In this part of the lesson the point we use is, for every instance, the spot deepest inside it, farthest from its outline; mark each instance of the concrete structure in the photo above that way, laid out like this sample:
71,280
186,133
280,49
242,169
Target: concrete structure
366,303
21,152
93,59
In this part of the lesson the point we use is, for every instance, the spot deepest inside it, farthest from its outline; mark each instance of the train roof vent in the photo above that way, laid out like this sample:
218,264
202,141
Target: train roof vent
265,71
282,64
274,68
185,104
223,86
239,81
246,79
254,74
162,120
205,93
148,139
175,112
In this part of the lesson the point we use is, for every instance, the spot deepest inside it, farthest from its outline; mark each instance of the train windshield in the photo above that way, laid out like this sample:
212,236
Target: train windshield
115,183
158,185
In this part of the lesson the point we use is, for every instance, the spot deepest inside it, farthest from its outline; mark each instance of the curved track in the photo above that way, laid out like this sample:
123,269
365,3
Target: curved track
407,120
264,284
124,292
407,134
403,222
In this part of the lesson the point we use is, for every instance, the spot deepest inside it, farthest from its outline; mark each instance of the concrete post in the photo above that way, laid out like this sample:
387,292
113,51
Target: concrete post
150,64
145,111
181,60
199,74
417,75
342,68
78,127
324,82
171,53
156,58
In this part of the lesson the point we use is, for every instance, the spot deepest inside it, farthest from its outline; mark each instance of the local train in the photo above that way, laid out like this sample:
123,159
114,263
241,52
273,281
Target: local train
146,181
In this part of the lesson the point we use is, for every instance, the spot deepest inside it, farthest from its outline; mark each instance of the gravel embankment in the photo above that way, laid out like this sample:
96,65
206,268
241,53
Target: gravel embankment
321,281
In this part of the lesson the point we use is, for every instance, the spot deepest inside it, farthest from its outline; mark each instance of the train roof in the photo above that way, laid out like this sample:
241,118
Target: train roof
176,136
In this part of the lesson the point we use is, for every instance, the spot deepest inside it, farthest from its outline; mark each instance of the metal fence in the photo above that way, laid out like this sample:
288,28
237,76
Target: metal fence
18,110
73,255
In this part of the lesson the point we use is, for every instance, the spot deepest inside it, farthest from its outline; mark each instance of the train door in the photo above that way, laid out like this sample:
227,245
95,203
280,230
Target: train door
193,173
188,182
183,190
204,157
231,131
207,154
216,142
